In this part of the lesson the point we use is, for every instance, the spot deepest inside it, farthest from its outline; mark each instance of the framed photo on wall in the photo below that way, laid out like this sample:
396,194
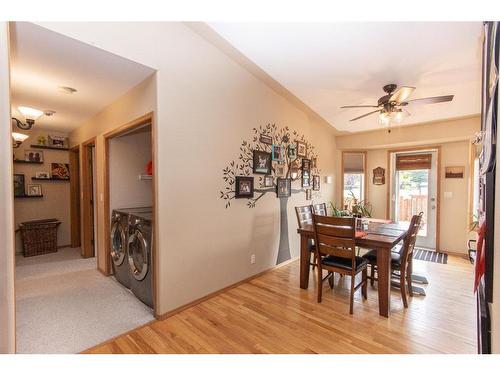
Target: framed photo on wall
244,187
292,152
279,170
301,149
19,185
57,141
266,139
34,190
278,153
308,194
306,182
261,162
268,181
306,168
316,182
283,187
60,171
33,156
45,175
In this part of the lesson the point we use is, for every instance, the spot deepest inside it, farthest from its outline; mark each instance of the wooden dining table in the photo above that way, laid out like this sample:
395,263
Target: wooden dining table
382,236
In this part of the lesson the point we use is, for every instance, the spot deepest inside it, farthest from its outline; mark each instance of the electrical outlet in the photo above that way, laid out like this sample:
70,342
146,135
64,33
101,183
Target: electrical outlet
252,259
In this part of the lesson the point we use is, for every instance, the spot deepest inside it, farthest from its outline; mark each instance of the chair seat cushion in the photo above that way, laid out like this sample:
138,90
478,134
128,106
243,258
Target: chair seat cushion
371,257
345,263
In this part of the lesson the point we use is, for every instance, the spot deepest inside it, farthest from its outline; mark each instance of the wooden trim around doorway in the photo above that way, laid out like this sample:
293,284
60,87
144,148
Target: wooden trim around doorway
87,204
436,148
75,212
126,128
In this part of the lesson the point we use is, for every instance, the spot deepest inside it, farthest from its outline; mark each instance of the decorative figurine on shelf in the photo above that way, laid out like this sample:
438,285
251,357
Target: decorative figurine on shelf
42,141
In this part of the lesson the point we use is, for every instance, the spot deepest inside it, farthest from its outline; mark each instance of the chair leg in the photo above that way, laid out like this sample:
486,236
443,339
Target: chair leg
331,279
372,274
409,272
353,276
402,286
320,284
364,288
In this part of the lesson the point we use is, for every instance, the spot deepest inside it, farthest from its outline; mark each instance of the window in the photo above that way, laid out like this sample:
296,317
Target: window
353,178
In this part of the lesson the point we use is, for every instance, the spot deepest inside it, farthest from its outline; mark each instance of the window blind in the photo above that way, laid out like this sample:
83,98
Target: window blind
412,162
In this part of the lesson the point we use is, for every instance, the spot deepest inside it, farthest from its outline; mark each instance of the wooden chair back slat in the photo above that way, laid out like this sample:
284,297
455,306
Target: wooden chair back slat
320,209
335,236
304,215
411,238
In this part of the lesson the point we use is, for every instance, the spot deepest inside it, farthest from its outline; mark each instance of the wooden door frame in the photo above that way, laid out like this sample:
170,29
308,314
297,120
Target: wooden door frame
136,123
87,183
436,148
365,183
75,196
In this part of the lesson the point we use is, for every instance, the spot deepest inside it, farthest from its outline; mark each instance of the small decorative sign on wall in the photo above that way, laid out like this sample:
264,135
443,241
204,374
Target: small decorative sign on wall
379,176
454,172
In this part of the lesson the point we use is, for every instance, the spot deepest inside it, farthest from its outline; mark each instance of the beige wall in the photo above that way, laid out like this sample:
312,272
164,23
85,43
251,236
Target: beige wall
137,102
56,194
454,211
128,156
207,104
7,296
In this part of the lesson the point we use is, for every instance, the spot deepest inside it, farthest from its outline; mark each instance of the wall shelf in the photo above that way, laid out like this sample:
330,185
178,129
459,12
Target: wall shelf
49,179
28,162
29,196
50,147
145,177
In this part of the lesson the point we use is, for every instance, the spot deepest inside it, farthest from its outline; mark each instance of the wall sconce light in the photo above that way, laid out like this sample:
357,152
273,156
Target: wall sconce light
18,138
328,179
294,173
30,114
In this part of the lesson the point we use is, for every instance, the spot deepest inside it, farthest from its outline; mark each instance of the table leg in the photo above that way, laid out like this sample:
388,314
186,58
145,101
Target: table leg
384,281
304,262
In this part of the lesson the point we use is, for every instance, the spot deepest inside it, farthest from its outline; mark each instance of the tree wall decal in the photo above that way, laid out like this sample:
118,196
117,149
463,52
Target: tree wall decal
244,167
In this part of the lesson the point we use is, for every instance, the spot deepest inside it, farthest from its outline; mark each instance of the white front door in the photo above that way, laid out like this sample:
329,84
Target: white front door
415,191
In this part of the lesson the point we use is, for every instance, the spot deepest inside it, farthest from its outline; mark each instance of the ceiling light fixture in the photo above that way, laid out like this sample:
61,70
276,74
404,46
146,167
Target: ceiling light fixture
30,114
18,138
67,90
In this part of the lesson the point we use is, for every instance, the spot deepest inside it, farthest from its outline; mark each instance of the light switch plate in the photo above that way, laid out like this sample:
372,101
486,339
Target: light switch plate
448,194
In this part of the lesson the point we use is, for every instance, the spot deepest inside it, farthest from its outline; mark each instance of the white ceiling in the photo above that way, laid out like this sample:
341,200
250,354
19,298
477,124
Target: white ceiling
42,60
328,65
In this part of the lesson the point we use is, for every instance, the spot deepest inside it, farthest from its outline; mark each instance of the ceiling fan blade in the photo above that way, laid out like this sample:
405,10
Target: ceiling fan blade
359,106
366,114
432,100
401,94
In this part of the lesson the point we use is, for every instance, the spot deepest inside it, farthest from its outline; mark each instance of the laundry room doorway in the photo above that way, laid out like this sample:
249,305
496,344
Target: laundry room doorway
129,208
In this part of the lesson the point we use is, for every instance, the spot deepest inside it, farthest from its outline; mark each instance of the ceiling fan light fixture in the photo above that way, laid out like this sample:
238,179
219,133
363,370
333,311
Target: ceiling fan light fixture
384,118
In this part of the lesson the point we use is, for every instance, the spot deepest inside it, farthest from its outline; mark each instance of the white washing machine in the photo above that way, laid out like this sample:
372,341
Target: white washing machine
119,242
140,250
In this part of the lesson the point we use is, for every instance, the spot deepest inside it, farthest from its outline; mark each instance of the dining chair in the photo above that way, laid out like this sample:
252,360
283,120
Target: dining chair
335,252
320,209
401,261
304,216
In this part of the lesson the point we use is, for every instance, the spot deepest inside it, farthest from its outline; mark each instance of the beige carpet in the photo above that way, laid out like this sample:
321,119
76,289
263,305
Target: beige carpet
64,305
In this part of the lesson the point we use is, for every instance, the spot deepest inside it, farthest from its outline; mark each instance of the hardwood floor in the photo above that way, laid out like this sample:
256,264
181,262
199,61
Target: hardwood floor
271,314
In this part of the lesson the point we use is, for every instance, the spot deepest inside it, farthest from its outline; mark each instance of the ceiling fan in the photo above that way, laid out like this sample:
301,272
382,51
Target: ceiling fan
389,105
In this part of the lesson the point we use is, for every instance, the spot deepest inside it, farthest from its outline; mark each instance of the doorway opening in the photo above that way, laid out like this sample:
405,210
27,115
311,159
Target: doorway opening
413,189
63,303
129,206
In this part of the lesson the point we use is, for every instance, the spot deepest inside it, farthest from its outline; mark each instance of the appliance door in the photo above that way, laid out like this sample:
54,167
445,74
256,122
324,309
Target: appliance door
118,243
138,255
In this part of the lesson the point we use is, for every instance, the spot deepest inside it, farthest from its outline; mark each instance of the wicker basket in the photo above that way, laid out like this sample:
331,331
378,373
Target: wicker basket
39,236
